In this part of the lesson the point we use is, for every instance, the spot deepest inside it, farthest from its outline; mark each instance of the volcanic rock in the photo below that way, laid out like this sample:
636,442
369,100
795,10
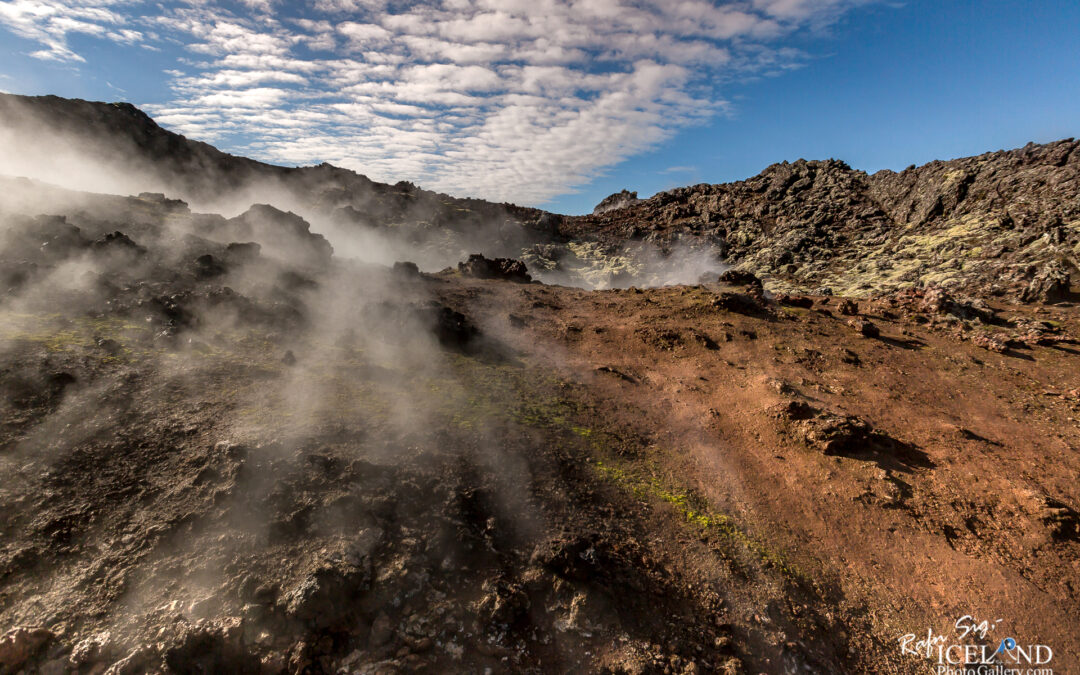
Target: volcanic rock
406,270
795,301
739,278
119,240
284,233
836,434
508,269
243,252
994,342
1050,285
619,200
19,644
865,327
847,308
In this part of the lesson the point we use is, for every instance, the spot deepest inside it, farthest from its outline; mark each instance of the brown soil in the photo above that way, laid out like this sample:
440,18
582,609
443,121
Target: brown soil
629,481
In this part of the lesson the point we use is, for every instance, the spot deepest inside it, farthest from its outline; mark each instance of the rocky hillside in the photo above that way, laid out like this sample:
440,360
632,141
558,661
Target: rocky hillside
988,225
119,137
1004,223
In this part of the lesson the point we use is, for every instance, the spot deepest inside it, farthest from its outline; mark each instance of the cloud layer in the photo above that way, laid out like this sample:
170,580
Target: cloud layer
518,100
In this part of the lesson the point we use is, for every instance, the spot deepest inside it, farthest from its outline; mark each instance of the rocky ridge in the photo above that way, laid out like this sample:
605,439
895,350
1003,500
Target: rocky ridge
1003,223
986,225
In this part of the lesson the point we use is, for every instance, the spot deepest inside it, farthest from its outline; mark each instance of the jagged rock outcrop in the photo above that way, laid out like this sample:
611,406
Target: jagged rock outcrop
992,225
619,200
982,224
123,139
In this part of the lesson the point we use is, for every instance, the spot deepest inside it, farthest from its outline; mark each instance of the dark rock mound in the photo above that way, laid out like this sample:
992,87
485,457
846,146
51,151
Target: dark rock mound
740,303
406,270
120,241
243,252
865,327
848,307
508,269
207,266
282,232
739,278
836,434
452,328
795,301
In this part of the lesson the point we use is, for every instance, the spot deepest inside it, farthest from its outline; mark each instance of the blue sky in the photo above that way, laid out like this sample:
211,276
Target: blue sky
558,103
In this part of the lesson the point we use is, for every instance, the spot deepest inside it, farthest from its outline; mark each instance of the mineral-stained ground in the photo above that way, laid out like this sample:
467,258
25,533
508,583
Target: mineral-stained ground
227,447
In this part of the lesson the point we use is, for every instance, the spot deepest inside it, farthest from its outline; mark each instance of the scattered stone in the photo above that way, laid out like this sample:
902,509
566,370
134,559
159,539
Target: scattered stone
703,339
138,660
324,598
848,307
92,649
849,357
504,604
740,303
1063,521
109,346
662,338
617,373
934,300
994,342
452,328
794,410
865,327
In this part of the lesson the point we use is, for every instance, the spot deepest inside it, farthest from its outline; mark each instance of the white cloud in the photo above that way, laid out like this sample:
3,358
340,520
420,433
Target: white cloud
49,22
506,99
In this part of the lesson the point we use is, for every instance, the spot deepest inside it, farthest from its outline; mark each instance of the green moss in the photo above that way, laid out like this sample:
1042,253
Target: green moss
696,511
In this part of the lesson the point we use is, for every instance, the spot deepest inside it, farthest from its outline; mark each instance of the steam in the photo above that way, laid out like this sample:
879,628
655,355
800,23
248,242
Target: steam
238,330
75,147
283,404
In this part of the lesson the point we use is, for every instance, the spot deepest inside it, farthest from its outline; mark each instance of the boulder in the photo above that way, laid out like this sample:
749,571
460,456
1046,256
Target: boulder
452,328
242,252
1050,285
739,278
836,434
740,303
508,269
867,328
406,270
118,241
207,266
283,233
795,301
994,342
848,307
